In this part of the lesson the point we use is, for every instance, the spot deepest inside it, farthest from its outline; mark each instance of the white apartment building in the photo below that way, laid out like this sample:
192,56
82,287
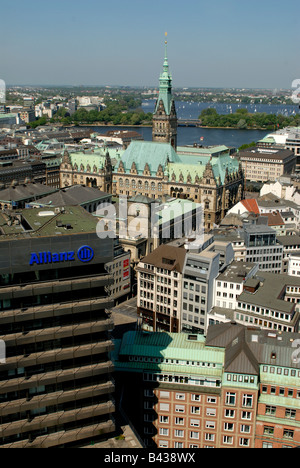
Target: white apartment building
266,300
229,283
159,277
176,284
294,265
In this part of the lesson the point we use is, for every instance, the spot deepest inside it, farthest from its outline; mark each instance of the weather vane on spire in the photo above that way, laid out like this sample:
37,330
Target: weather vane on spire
166,34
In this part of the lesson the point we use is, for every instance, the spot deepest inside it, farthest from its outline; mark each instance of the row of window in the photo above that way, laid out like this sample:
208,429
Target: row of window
227,440
265,312
212,412
139,184
263,323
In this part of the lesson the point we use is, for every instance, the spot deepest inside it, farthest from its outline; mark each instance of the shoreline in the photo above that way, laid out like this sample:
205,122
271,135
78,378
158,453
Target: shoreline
150,126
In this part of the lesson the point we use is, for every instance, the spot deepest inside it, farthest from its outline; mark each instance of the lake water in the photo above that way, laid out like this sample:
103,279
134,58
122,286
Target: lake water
211,136
192,110
191,135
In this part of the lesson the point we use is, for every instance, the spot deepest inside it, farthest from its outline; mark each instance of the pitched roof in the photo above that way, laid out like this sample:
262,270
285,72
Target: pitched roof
25,191
74,195
222,334
251,205
167,257
274,219
239,358
148,152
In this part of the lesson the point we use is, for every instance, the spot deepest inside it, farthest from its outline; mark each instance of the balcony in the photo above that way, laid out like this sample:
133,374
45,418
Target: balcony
58,354
56,333
59,376
55,398
64,437
56,419
52,310
55,286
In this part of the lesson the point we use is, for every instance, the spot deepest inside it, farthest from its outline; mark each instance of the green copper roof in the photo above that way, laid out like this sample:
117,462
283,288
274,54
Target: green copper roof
174,346
165,86
221,163
186,170
189,162
143,152
95,158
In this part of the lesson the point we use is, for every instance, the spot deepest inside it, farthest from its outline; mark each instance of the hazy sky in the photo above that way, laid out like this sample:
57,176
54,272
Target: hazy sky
220,43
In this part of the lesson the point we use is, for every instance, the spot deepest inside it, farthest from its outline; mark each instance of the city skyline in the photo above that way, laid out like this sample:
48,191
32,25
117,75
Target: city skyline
228,45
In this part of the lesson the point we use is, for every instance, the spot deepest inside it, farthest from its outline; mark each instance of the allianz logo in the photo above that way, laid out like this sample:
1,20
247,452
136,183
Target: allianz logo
85,254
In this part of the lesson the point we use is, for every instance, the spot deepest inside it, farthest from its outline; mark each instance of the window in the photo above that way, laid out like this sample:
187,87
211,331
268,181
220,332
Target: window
268,430
195,423
164,419
248,400
288,434
211,400
164,394
228,426
210,425
230,398
245,428
244,442
179,421
178,445
211,412
229,413
227,440
290,413
270,410
163,444
195,410
180,396
246,415
194,435
164,407
163,431
267,445
179,409
178,433
196,397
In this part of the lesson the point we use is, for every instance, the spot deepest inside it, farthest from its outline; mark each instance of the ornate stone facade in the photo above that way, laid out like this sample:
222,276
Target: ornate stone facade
211,176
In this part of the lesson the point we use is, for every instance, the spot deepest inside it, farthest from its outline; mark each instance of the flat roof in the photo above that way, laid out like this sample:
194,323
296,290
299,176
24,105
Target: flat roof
44,222
270,289
236,272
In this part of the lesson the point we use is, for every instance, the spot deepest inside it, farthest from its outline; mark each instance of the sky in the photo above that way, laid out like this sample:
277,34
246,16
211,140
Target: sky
220,43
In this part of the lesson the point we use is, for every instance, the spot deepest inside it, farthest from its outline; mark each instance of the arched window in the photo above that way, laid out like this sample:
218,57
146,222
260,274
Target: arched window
153,186
121,182
133,184
146,185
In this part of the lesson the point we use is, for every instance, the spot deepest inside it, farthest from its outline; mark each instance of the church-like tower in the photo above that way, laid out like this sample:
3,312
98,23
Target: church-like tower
164,128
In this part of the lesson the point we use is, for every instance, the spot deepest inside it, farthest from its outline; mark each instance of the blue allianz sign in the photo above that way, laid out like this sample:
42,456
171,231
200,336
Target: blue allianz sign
85,254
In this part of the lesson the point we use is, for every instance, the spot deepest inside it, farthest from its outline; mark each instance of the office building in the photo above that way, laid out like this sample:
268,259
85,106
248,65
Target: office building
266,300
264,165
238,387
56,384
176,284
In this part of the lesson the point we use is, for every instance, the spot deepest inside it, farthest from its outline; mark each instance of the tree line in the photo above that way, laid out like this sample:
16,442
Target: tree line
242,119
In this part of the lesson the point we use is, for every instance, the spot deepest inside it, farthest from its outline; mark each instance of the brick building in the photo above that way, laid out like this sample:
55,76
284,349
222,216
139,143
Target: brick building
236,388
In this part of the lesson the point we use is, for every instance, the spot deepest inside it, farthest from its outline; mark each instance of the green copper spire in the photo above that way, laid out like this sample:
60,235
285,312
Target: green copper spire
166,64
165,85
